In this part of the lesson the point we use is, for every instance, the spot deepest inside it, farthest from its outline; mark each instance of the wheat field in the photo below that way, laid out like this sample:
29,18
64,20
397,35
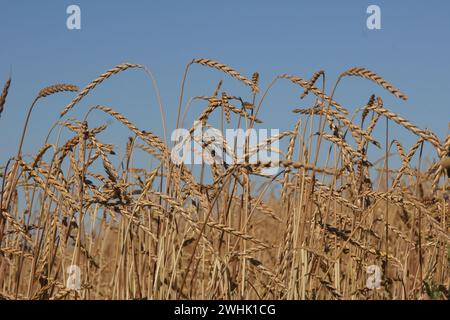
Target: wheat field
339,210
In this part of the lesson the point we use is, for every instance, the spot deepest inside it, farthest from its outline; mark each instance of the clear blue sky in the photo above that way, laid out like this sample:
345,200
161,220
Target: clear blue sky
272,37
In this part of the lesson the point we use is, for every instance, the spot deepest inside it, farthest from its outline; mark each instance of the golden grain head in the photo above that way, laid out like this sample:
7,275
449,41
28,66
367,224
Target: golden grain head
63,87
133,224
4,94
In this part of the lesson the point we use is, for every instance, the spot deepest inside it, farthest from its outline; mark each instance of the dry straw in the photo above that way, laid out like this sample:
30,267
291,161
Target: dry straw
142,227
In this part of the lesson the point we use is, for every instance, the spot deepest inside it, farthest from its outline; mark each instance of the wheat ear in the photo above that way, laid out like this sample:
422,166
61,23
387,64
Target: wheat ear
228,70
316,91
311,82
370,75
62,87
4,95
97,81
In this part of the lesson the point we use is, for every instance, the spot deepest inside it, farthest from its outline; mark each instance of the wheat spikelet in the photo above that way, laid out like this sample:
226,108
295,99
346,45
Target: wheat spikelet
148,137
367,74
412,203
225,106
265,209
212,105
62,293
343,144
311,82
285,255
216,90
425,134
255,81
286,164
323,189
224,102
365,112
301,82
107,165
447,143
267,272
47,246
16,252
355,130
265,145
400,149
228,70
71,126
149,150
289,156
237,233
70,144
241,112
329,286
63,87
248,106
40,154
4,94
344,236
16,225
52,181
97,81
